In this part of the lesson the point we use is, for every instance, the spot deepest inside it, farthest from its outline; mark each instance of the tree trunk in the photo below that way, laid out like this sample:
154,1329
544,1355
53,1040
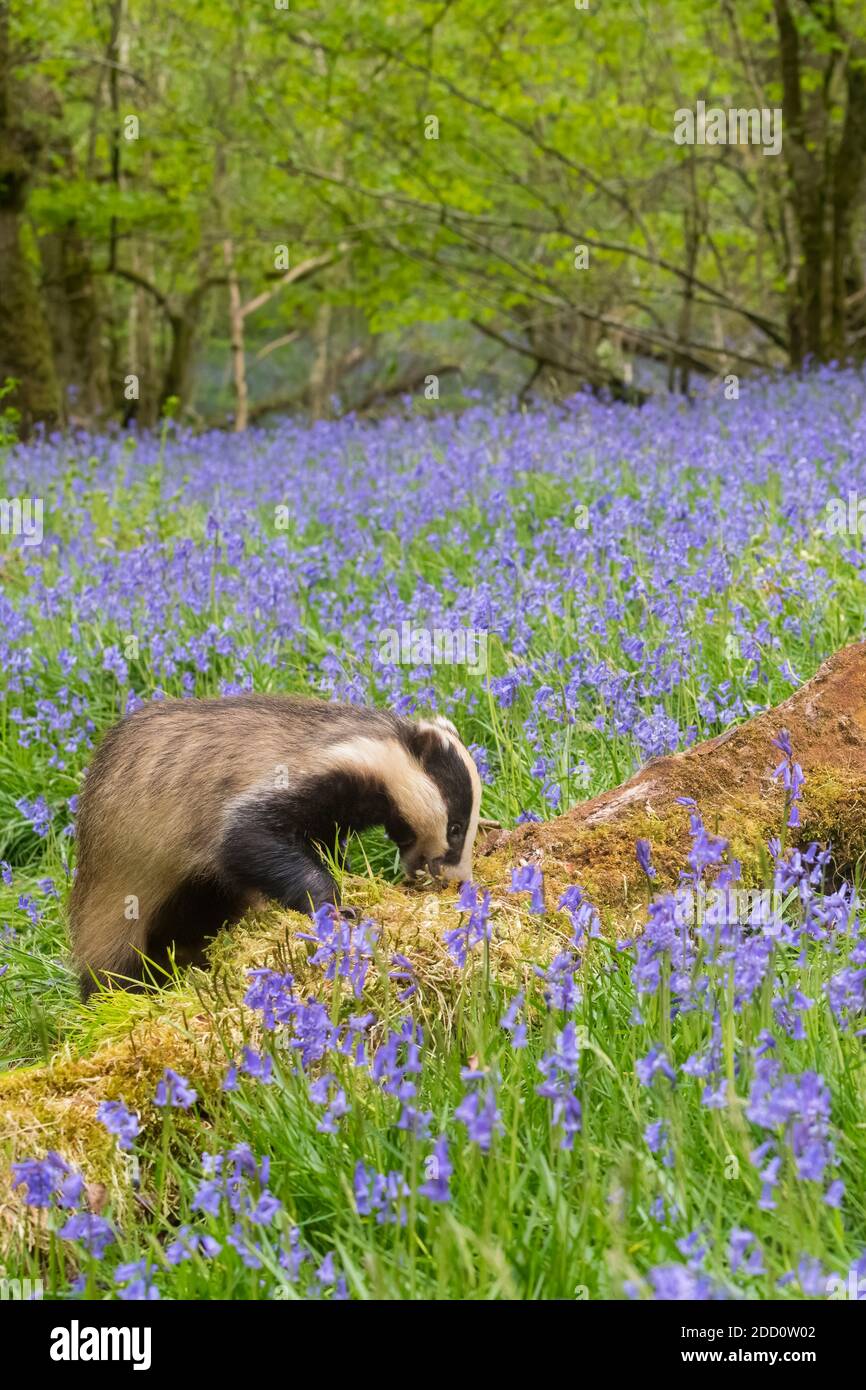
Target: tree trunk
25,343
807,187
320,373
238,351
849,170
75,322
143,325
178,372
825,188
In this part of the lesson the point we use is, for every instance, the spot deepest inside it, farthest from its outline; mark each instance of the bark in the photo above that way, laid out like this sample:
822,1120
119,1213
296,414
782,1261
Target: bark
849,169
321,376
178,372
75,320
236,331
692,231
825,191
113,56
25,343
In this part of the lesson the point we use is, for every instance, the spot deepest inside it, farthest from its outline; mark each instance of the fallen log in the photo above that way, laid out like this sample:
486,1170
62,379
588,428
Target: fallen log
730,778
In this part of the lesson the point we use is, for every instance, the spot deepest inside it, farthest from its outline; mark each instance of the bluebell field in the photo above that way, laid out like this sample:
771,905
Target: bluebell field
677,1115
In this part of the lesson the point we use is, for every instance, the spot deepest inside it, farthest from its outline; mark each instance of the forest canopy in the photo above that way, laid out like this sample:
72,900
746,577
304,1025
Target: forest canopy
223,210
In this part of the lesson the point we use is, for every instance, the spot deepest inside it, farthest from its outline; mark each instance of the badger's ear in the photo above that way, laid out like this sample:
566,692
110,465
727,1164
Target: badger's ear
427,738
441,722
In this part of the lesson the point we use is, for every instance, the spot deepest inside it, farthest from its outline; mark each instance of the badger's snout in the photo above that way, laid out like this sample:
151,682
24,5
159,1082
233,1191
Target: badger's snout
417,864
457,873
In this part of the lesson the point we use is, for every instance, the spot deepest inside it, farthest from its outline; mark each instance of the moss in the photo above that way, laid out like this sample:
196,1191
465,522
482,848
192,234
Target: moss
833,811
600,856
55,1106
25,344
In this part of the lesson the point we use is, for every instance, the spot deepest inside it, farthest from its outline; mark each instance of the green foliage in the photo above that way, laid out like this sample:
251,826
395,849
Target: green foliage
307,127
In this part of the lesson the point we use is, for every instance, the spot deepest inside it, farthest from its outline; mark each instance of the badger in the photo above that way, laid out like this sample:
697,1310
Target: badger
193,811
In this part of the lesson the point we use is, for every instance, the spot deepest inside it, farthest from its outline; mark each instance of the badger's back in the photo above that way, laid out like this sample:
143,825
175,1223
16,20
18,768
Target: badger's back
167,772
193,810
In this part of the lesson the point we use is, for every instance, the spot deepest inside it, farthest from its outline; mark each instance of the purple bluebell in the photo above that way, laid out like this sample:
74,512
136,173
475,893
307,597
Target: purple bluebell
528,879
94,1232
120,1121
479,1112
438,1172
136,1282
560,1068
174,1092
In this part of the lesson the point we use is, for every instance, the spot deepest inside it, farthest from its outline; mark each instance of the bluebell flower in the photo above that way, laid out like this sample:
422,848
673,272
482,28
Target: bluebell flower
94,1232
259,1065
513,1024
560,1068
45,1180
654,1064
643,850
478,1111
477,926
528,879
744,1252
136,1282
174,1092
188,1243
120,1121
381,1194
438,1171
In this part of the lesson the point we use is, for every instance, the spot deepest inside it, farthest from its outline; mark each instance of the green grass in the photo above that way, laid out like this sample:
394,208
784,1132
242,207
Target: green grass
528,1219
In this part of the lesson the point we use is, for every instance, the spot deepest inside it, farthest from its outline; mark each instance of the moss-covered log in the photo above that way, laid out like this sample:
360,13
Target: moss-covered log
730,778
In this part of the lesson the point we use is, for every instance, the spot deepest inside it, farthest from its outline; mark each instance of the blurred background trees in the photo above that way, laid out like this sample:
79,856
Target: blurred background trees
224,209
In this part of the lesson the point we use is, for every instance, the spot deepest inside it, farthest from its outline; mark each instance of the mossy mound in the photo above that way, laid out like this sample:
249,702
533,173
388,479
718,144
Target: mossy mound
124,1042
55,1106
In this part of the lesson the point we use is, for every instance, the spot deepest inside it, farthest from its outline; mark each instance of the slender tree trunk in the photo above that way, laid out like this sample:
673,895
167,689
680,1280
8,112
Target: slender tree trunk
806,177
320,373
238,350
692,239
114,45
813,251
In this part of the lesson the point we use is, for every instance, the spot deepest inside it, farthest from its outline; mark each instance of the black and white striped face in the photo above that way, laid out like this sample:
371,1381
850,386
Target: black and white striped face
446,792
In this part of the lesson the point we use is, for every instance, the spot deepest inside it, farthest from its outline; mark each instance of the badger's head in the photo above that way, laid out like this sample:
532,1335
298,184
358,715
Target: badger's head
440,803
